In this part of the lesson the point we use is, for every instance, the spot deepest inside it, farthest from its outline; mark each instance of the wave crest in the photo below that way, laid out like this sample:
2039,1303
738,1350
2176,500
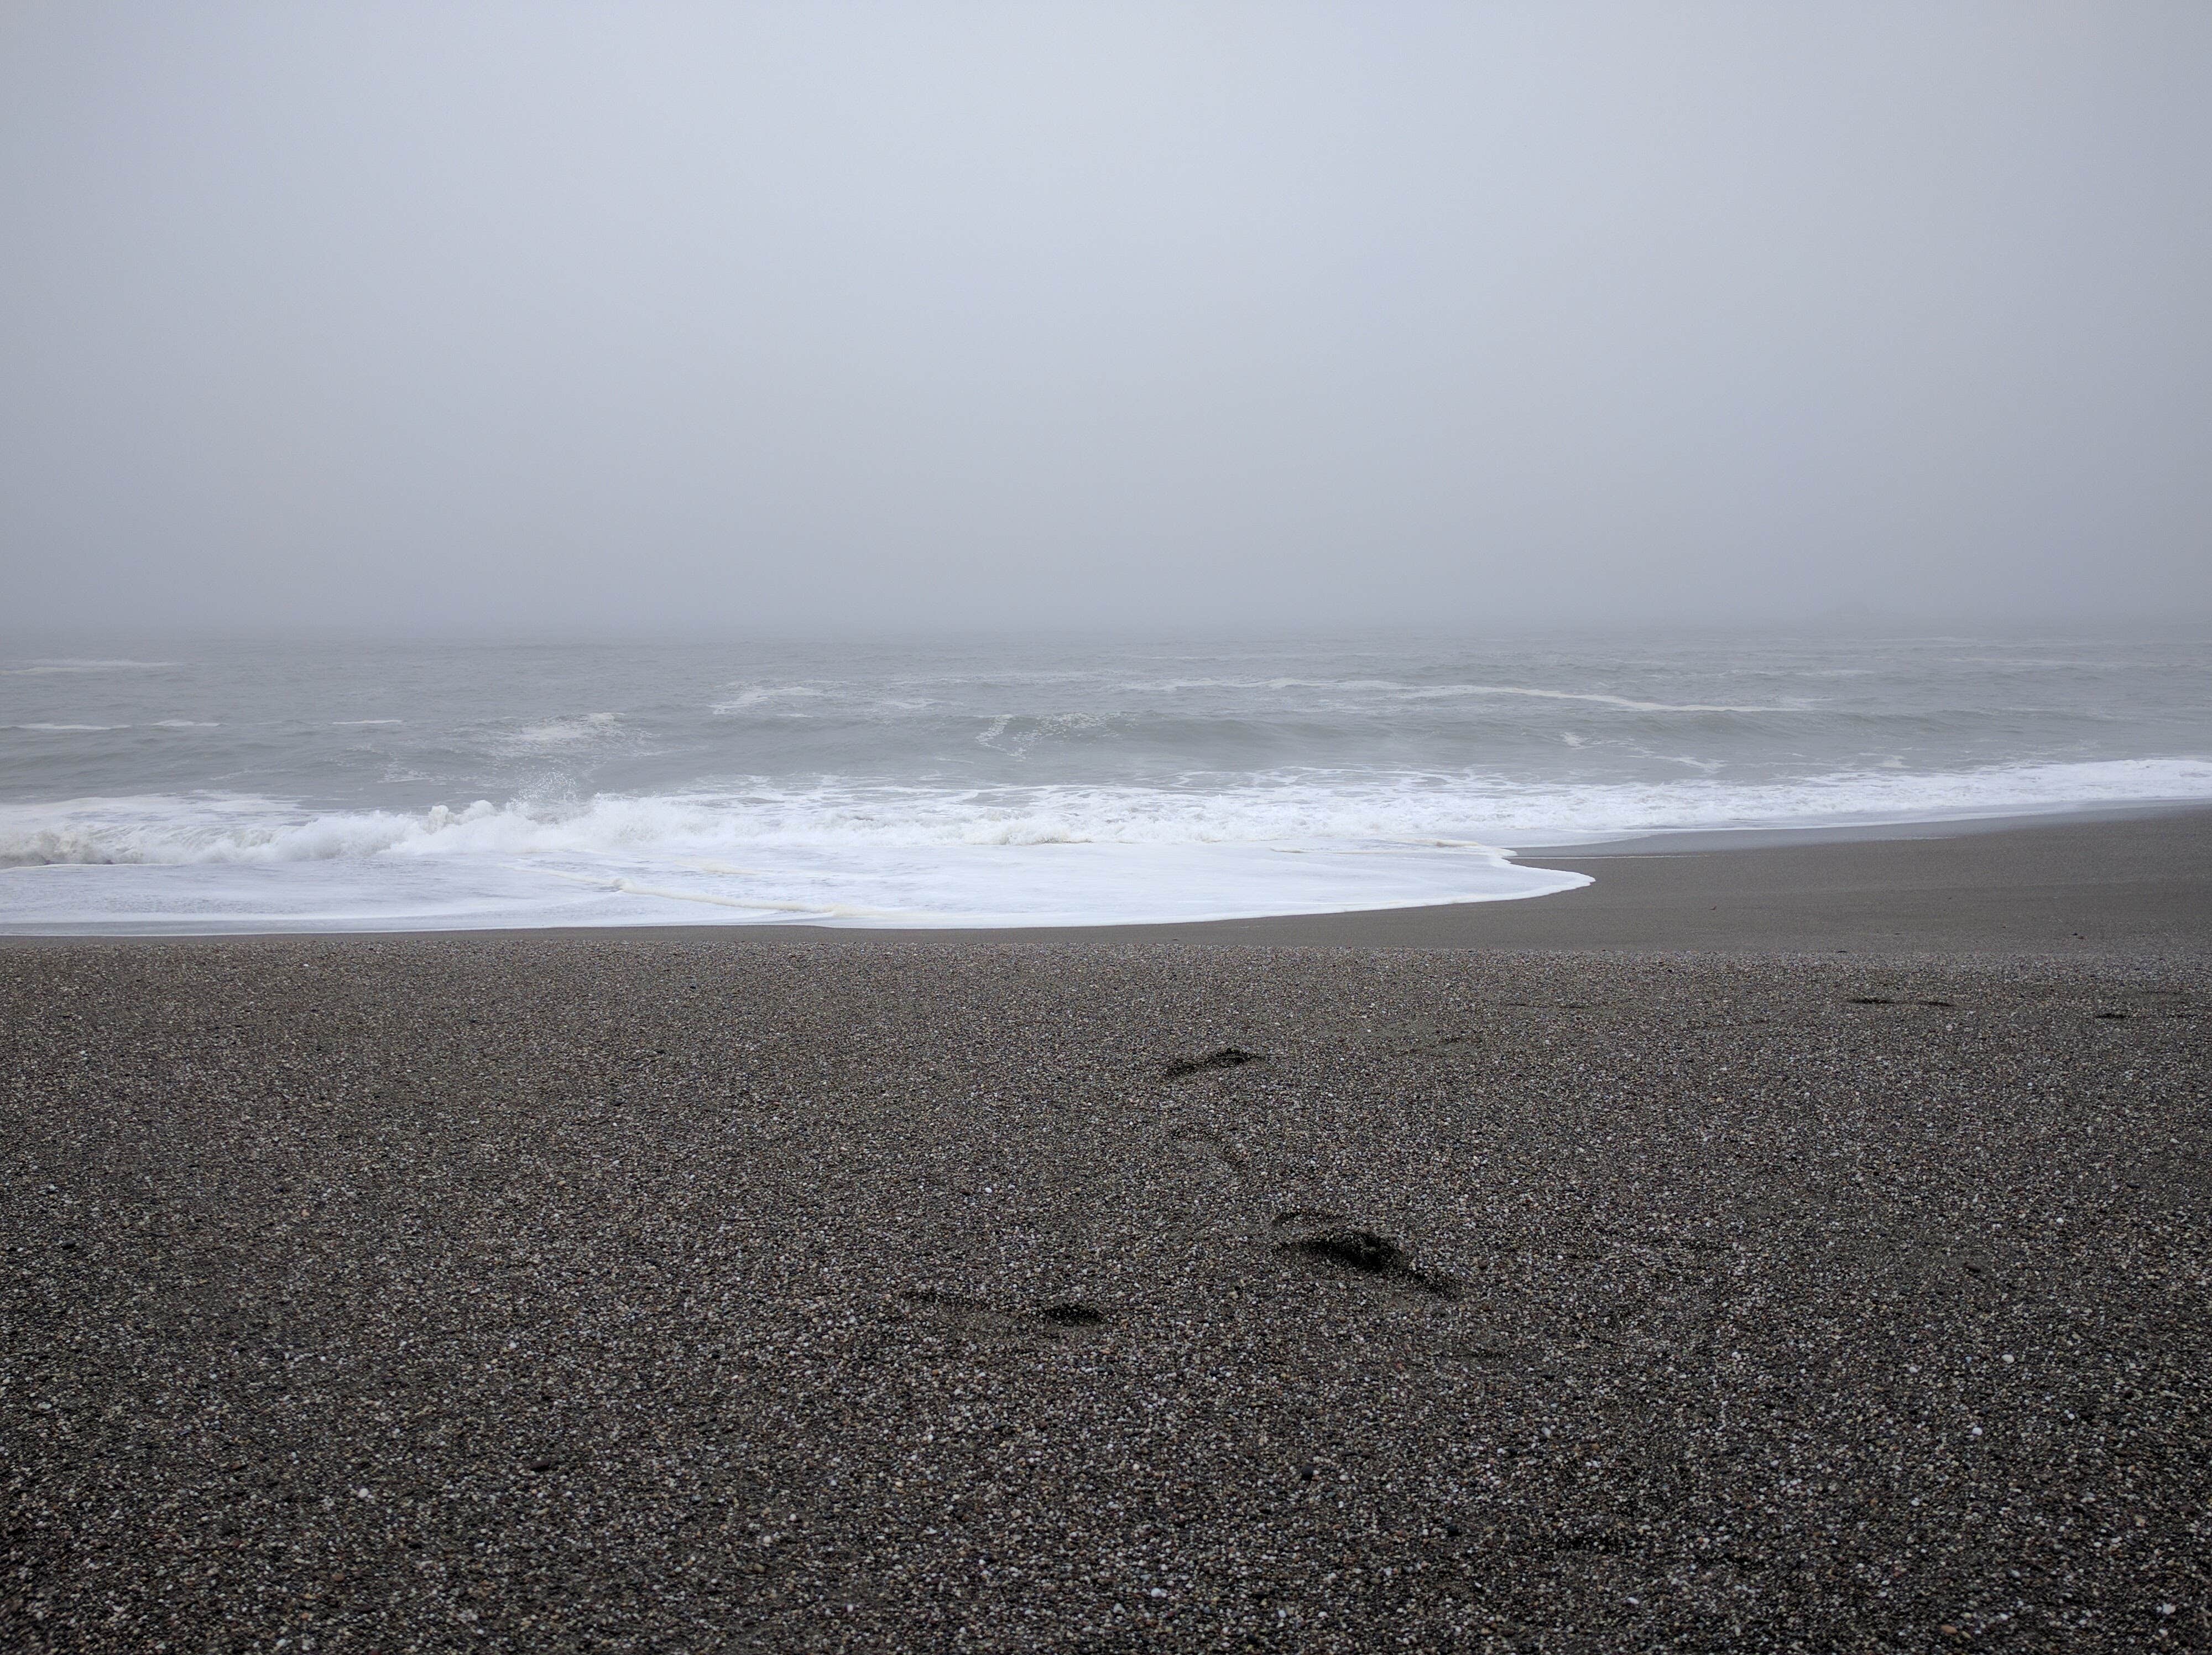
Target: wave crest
1290,807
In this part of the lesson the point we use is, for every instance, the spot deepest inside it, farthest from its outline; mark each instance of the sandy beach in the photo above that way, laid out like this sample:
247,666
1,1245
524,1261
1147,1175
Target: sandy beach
1125,830
1795,1247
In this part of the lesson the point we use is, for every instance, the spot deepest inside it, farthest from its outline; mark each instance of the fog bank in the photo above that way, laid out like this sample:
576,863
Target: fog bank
504,317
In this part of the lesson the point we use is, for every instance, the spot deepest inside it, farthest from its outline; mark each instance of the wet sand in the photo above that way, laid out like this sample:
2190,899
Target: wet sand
1621,1281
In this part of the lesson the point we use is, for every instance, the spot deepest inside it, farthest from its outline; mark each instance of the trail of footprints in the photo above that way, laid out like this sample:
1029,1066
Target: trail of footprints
1323,1237
1317,1239
1676,1310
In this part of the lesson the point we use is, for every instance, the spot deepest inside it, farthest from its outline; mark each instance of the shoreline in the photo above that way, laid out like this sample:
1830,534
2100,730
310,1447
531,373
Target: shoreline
1797,1243
2131,880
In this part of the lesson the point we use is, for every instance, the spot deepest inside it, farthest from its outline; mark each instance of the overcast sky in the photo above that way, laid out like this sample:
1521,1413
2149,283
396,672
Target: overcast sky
481,316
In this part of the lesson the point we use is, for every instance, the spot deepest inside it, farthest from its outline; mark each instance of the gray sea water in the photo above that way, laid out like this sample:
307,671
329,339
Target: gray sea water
261,786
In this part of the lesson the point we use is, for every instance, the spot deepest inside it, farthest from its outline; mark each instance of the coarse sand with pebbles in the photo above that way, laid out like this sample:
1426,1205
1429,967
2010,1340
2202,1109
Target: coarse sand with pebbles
712,1292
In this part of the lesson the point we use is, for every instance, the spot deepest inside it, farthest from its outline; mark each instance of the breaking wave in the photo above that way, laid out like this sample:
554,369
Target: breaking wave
946,783
1283,809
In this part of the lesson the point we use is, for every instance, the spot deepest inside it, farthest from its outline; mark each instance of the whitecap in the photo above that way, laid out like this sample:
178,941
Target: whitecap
1015,733
1627,703
563,731
40,668
1400,689
758,695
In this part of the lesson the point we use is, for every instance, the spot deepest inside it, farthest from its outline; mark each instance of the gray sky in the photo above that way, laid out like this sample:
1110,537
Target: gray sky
486,316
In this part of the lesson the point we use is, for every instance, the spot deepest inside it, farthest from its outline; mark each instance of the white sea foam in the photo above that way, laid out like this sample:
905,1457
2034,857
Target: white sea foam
1288,808
43,668
925,855
235,863
1626,703
751,696
1051,884
1015,733
1393,688
566,732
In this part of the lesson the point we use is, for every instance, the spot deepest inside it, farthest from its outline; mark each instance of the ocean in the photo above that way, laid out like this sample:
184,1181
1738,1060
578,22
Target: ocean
198,787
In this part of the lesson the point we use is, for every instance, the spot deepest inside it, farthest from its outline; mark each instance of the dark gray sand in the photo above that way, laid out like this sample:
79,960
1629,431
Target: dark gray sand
692,1292
2139,884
